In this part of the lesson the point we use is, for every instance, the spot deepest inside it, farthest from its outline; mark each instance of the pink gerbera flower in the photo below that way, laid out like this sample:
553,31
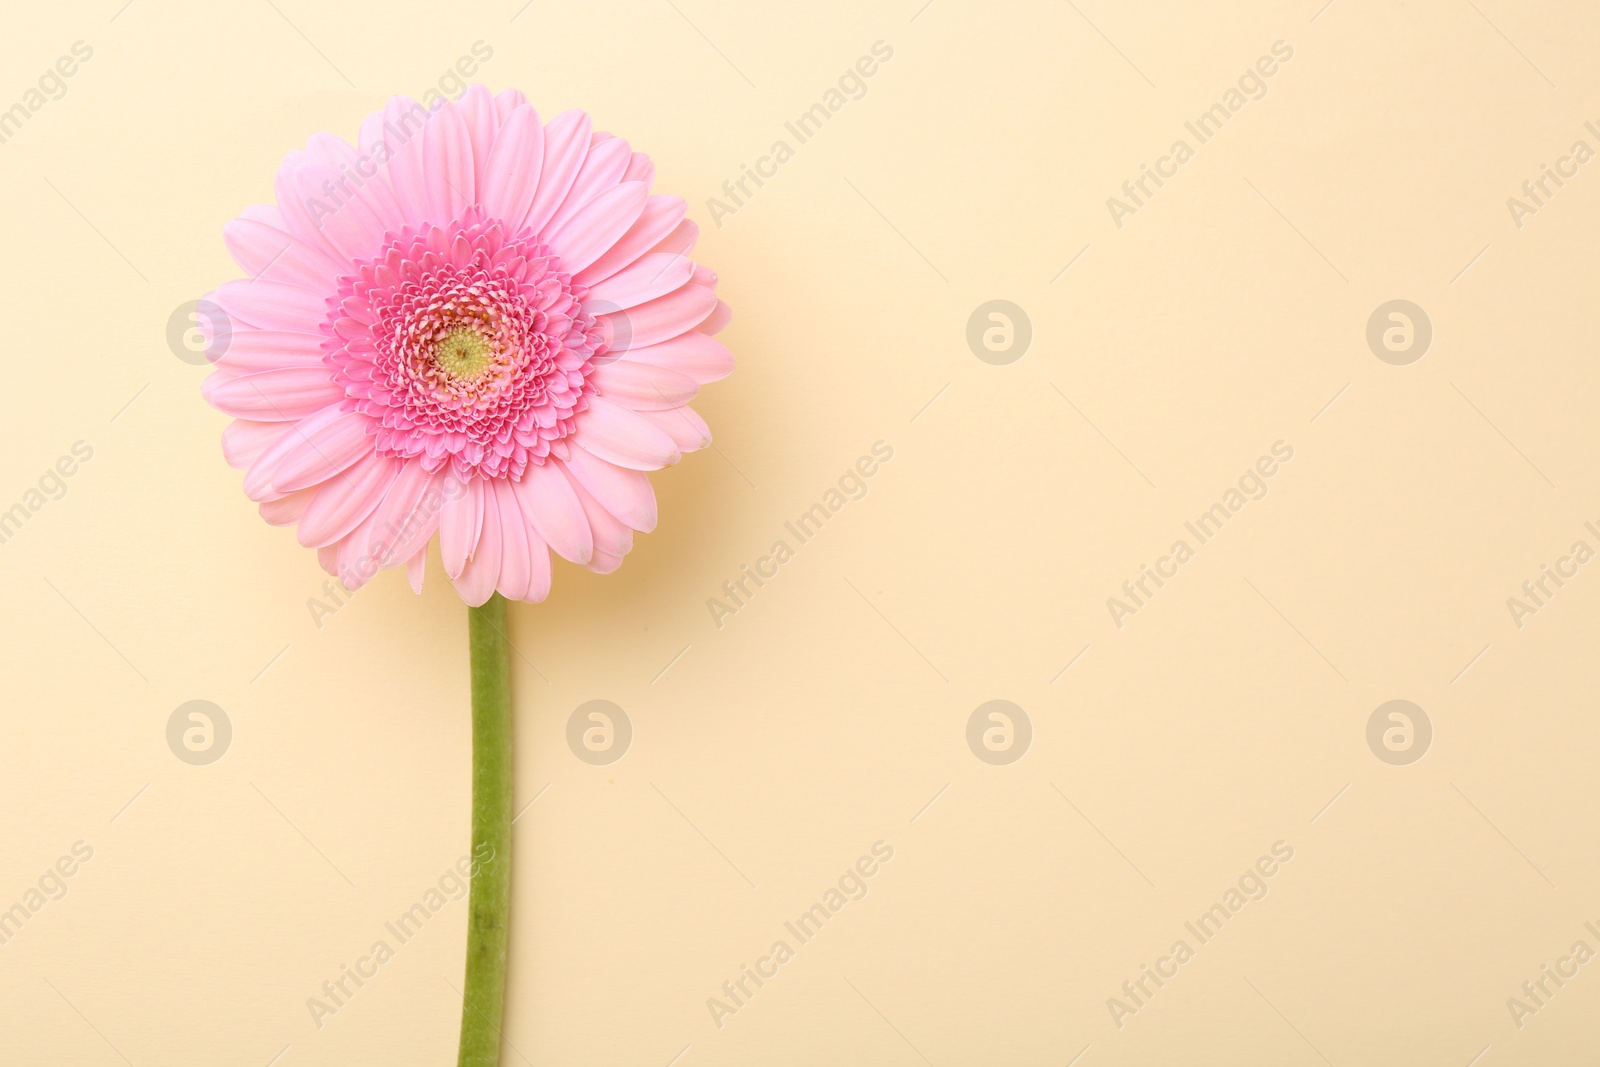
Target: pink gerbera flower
468,323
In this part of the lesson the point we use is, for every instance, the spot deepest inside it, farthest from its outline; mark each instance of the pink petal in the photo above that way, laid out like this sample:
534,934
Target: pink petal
605,562
477,517
258,480
566,141
583,236
369,150
539,569
512,176
660,217
686,428
640,169
666,317
483,123
297,218
271,254
459,523
524,557
508,101
611,536
642,386
281,395
250,350
346,215
323,453
718,320
272,305
244,441
342,503
481,572
266,214
363,178
447,155
353,567
622,492
602,169
553,508
618,435
646,278
515,565
701,357
681,240
404,121
416,567
287,510
409,514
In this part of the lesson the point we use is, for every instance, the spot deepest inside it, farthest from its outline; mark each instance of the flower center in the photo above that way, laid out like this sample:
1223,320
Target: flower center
463,353
468,347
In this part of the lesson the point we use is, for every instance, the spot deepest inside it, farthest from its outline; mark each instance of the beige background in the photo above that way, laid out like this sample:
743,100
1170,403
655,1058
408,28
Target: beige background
830,713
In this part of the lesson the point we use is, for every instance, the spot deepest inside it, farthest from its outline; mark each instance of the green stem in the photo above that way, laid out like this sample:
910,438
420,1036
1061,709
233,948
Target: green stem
489,906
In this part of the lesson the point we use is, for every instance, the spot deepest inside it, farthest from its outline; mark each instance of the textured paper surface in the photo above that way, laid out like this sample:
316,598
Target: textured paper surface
1172,747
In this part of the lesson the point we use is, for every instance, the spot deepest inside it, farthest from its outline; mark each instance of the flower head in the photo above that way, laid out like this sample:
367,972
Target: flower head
468,323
